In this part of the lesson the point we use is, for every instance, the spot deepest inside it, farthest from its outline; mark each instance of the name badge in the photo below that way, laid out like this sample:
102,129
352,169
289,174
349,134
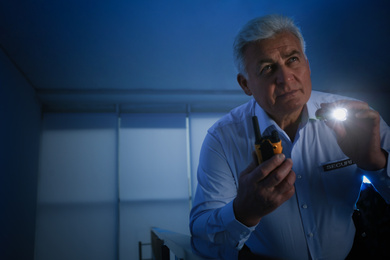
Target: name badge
337,165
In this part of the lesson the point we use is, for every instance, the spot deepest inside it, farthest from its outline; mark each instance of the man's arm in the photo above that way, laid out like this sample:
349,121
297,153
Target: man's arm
222,215
212,217
365,138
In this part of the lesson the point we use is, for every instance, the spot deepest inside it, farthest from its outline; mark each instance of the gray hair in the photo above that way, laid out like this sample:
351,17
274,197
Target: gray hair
259,29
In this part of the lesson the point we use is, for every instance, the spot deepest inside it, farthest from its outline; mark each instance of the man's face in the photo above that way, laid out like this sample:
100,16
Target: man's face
278,75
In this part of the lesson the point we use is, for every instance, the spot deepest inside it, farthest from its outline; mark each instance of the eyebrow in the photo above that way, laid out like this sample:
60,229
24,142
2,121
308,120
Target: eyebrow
292,53
284,56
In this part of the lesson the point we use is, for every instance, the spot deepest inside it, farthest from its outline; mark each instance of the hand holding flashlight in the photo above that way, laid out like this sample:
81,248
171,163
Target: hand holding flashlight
357,130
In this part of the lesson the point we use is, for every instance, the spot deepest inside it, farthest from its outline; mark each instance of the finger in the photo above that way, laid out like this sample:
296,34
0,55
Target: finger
262,171
279,174
346,103
284,190
287,185
320,113
353,104
337,126
367,114
360,110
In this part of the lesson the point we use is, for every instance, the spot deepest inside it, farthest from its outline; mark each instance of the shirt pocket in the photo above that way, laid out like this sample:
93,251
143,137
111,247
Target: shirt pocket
342,181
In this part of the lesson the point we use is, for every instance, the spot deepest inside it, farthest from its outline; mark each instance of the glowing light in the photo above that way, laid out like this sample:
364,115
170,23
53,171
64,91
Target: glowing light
339,114
365,180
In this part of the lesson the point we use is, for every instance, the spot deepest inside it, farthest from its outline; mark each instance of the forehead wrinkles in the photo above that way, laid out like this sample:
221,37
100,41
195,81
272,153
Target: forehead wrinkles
282,51
283,43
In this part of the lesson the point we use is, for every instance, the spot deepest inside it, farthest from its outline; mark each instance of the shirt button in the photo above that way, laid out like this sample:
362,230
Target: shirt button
304,206
299,176
310,234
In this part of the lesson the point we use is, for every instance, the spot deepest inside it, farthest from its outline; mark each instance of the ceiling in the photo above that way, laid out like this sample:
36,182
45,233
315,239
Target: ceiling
150,54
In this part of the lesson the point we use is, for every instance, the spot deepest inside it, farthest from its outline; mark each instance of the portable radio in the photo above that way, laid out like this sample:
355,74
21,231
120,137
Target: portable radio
266,146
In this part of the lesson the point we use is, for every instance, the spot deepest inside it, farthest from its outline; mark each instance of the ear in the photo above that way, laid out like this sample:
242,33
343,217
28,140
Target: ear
244,84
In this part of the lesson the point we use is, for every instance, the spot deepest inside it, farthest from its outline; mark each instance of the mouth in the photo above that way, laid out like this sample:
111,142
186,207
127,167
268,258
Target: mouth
288,95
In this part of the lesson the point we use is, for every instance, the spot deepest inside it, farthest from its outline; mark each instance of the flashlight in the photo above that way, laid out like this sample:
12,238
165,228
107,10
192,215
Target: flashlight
338,113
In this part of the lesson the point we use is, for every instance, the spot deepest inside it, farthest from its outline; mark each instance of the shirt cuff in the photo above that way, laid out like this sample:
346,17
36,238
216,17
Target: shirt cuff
385,172
381,180
238,232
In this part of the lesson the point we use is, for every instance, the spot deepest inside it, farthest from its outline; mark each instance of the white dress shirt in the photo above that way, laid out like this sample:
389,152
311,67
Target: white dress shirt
316,223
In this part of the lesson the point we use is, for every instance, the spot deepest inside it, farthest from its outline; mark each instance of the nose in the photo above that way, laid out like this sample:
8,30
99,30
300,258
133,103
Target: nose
283,76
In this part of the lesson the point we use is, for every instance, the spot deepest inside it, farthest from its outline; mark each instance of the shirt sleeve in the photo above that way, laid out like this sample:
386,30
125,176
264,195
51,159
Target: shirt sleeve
381,179
212,216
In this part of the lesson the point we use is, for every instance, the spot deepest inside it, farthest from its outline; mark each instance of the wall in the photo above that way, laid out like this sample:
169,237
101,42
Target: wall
77,188
19,140
107,178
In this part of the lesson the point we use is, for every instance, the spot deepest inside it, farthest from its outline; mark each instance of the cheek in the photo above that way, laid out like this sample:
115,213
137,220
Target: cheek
305,77
263,91
265,96
307,83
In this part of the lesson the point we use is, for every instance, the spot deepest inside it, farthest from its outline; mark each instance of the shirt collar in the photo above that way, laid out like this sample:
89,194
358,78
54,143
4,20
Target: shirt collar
312,107
265,121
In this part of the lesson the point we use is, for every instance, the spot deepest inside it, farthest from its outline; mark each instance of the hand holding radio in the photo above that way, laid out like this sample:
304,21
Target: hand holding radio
266,183
263,188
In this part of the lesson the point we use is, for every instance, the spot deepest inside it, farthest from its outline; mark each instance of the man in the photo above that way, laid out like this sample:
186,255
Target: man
298,204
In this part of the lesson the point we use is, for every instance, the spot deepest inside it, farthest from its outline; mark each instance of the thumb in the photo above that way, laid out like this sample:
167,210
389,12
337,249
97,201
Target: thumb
337,127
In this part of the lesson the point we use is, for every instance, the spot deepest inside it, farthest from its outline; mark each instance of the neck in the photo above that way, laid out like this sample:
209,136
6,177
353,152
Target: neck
289,124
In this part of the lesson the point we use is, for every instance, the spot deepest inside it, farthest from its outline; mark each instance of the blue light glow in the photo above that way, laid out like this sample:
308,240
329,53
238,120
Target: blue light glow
365,180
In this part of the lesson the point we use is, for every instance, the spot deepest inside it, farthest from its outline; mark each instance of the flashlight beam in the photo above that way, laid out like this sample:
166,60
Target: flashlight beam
340,114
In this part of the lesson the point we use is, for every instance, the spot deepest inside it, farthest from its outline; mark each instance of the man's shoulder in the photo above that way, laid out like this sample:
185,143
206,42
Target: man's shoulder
235,117
325,97
319,97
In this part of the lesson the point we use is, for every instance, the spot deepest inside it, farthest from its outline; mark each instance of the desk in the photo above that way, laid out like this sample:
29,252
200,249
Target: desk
165,242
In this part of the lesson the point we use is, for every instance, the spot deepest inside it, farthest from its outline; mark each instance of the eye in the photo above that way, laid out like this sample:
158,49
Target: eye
266,69
293,59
